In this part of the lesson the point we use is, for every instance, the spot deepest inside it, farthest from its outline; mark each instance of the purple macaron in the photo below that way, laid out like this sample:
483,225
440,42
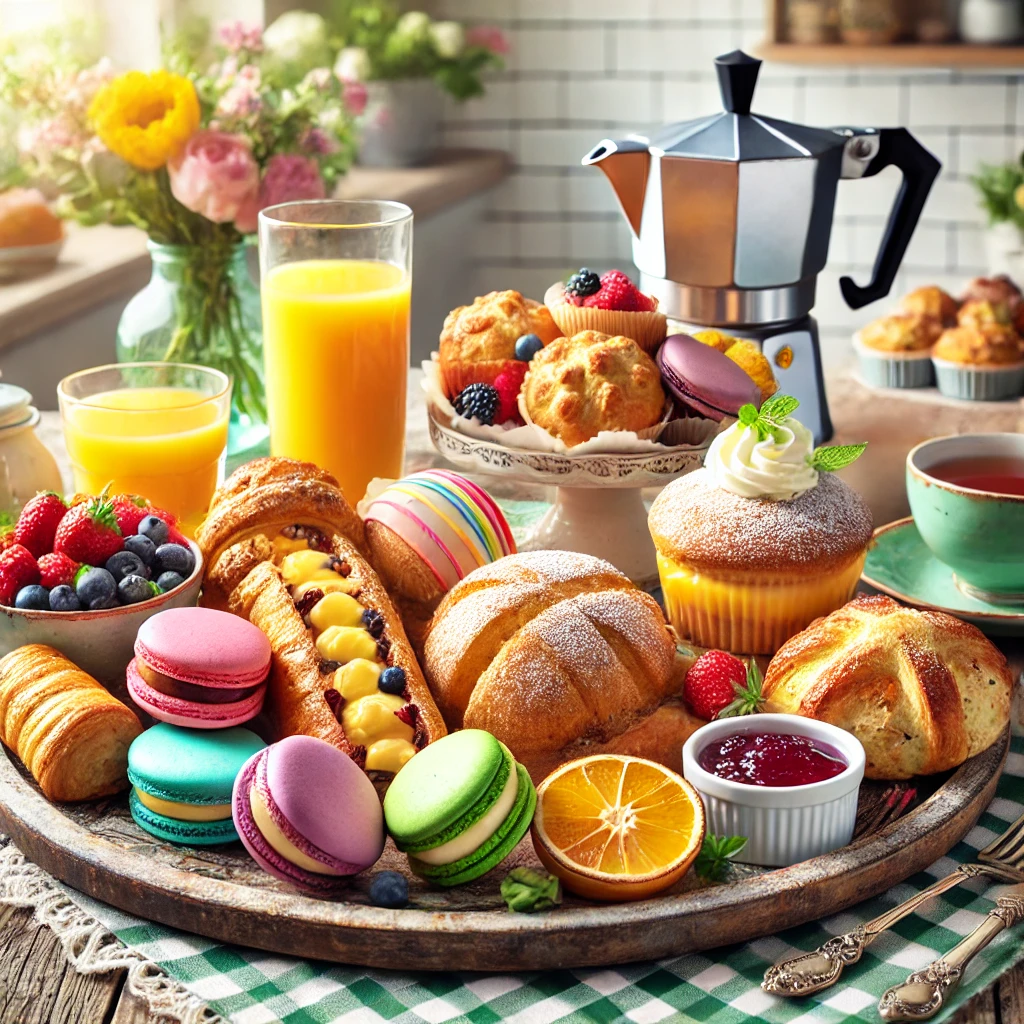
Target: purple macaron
705,379
308,814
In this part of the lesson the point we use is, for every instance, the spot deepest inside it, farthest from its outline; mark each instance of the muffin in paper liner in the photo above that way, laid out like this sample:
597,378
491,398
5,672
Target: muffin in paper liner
893,369
648,328
458,376
979,383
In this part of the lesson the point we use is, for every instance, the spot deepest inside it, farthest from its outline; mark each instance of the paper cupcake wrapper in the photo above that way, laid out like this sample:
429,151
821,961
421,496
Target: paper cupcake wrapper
456,378
750,618
979,383
894,369
647,328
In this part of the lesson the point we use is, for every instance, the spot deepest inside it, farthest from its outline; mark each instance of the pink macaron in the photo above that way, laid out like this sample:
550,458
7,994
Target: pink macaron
199,668
705,379
308,814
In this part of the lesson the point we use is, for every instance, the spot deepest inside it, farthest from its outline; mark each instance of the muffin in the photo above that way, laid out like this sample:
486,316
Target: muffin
981,362
994,289
931,301
609,303
985,313
576,387
757,544
894,352
747,356
478,341
26,220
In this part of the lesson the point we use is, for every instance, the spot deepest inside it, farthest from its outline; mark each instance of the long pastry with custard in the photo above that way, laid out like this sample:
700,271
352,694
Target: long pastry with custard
285,550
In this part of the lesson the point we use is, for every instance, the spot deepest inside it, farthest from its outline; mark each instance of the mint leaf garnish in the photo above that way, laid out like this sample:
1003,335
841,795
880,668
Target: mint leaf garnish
748,415
778,407
768,421
830,457
715,855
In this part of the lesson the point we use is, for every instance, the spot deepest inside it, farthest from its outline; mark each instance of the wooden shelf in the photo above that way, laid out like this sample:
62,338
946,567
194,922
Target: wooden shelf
906,55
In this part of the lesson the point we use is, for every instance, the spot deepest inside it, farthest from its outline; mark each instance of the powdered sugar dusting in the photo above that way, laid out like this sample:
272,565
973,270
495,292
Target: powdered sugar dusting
697,522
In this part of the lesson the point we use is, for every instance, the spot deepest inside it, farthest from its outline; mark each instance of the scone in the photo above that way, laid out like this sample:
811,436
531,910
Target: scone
759,543
576,387
933,302
478,341
981,362
894,351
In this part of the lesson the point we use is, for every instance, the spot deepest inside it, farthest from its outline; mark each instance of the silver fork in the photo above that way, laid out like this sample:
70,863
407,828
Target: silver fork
1003,859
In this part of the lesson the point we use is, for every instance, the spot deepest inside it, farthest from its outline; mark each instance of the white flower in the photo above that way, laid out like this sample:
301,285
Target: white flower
352,65
449,39
413,24
297,37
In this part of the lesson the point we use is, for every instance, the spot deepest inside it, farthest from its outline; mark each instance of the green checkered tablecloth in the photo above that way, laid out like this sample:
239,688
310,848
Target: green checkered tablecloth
717,987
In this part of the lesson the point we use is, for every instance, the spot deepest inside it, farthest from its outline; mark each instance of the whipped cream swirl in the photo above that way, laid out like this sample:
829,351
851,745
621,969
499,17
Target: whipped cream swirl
774,469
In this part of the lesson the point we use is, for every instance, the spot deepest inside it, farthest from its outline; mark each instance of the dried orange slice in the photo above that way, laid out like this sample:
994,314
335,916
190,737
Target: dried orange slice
614,827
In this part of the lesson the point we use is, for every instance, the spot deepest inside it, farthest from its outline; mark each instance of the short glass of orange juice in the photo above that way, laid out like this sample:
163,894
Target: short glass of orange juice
159,430
336,278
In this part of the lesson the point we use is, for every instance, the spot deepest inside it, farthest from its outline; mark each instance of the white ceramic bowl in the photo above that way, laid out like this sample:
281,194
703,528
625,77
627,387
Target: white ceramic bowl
783,824
100,642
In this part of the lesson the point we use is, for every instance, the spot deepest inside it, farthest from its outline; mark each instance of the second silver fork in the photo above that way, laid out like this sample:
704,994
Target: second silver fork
1002,859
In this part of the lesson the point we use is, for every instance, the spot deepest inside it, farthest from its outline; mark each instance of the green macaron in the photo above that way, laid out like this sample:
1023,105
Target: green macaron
459,807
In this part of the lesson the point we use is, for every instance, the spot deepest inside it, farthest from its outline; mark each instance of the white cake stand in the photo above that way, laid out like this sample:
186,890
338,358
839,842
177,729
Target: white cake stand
598,508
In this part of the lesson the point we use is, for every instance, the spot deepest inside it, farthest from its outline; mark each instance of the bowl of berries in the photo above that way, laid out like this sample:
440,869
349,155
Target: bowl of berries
83,575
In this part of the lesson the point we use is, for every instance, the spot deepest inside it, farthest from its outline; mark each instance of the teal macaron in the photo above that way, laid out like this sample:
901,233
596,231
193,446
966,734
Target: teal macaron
182,780
459,807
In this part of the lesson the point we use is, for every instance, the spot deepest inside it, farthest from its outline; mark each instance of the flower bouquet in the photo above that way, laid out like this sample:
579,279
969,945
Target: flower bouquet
190,155
1000,190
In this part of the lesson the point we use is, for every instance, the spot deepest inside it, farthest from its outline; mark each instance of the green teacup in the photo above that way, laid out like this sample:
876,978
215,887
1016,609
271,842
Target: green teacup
978,533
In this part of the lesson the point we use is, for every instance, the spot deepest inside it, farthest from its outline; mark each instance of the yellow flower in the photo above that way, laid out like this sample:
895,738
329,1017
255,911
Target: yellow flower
146,118
1018,196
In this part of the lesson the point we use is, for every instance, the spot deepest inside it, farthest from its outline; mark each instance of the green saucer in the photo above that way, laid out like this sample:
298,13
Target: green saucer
900,565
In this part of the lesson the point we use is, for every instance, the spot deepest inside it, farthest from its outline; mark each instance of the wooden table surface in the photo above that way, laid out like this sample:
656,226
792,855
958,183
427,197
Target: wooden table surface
37,986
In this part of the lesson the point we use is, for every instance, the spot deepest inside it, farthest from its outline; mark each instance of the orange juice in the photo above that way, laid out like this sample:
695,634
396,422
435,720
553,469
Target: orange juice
163,443
336,345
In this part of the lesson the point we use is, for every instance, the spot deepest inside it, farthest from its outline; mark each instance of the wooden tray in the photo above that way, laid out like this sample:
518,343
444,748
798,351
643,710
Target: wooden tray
223,895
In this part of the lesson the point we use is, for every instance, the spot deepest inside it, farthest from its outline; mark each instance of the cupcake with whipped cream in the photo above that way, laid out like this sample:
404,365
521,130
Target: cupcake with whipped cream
764,539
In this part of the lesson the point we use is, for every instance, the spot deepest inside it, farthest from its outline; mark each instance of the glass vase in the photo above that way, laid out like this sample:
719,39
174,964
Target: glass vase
202,306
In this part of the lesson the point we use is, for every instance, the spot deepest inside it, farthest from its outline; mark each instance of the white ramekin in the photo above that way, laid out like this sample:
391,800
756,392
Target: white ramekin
783,824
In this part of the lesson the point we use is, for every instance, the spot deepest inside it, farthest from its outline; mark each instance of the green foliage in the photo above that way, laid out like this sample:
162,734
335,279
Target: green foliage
715,854
831,457
1000,191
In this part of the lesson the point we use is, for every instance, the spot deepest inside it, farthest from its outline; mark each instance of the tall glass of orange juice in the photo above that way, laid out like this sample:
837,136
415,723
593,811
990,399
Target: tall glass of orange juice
336,277
159,430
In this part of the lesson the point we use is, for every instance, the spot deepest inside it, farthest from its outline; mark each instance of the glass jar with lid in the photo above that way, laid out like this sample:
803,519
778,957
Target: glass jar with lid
26,464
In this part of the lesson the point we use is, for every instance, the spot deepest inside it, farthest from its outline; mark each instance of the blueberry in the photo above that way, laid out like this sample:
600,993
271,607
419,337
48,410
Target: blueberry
133,589
392,680
169,580
527,347
173,558
154,528
126,563
141,546
64,599
389,889
374,622
33,598
96,588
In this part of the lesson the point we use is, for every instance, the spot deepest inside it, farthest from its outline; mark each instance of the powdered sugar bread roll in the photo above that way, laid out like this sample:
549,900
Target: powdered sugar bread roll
429,530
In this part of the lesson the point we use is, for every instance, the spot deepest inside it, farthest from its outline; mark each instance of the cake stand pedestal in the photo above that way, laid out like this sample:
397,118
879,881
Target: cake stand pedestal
598,508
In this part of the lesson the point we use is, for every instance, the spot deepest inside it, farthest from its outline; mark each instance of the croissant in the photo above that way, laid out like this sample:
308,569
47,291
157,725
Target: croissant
69,732
285,550
558,655
254,504
921,690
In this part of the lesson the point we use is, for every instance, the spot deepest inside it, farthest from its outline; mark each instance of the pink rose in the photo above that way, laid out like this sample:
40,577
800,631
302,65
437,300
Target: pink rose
214,175
353,95
237,36
288,178
489,37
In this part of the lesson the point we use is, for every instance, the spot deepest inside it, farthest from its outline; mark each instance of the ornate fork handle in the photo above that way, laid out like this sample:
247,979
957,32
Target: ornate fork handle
923,994
811,972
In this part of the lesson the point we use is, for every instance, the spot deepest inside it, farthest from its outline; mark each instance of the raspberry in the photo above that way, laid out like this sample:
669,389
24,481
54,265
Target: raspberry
508,384
618,292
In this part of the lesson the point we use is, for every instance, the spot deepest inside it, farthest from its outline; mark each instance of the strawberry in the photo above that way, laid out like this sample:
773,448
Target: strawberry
618,292
17,569
56,568
719,685
129,511
37,524
508,384
89,533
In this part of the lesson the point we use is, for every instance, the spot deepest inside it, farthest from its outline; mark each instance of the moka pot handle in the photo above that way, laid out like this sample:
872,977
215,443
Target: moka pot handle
897,148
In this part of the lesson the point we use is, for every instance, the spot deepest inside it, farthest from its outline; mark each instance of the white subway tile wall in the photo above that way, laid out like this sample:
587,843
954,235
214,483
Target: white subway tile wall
582,70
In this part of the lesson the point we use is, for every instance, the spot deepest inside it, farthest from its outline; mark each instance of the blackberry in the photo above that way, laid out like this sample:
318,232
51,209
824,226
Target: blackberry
583,283
480,401
374,622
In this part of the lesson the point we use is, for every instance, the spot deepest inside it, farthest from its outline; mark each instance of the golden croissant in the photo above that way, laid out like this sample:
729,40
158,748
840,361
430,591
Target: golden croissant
70,733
